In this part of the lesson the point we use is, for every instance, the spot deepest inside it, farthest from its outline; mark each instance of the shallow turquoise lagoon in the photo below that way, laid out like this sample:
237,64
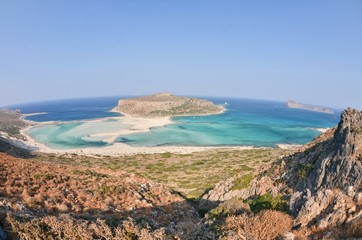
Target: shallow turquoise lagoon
245,123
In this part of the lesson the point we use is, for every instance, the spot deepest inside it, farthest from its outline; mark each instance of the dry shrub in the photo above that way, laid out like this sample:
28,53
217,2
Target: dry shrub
352,230
265,225
65,226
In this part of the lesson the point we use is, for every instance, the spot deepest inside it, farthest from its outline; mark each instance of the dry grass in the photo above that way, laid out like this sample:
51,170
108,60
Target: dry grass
66,227
190,174
265,225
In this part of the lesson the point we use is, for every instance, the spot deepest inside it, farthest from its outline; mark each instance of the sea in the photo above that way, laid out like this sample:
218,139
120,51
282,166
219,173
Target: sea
245,122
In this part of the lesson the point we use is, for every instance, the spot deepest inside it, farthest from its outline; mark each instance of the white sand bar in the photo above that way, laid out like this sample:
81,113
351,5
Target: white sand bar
110,134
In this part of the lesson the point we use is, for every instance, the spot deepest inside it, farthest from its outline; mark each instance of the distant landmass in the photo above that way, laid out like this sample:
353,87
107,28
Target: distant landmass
165,105
294,104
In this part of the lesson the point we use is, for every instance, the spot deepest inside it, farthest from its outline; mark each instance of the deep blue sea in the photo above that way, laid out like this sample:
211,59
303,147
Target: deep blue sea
245,123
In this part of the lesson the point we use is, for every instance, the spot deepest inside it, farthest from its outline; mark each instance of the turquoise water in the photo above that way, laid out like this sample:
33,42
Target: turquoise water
245,123
62,136
77,135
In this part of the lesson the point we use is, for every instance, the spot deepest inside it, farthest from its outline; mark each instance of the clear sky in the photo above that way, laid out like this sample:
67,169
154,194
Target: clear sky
310,51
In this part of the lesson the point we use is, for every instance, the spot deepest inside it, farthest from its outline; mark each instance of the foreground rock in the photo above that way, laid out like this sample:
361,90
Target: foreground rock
165,105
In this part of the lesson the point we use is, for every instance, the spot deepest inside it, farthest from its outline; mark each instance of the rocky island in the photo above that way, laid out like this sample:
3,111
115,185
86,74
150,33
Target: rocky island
294,104
166,105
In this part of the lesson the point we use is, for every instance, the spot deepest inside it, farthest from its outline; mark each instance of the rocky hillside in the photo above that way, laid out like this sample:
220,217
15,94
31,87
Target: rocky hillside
320,185
64,202
165,104
326,179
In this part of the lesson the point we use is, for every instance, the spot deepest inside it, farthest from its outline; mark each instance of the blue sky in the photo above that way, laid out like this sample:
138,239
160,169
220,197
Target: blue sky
310,51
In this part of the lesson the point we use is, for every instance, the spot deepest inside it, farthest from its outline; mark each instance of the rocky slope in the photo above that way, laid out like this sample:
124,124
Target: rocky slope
321,184
64,202
326,179
164,105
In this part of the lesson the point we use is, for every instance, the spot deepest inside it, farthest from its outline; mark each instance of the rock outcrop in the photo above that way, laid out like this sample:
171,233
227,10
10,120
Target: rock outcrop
165,105
224,191
334,163
327,178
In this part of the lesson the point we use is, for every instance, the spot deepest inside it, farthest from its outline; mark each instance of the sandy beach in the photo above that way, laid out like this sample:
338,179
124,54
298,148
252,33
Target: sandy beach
117,148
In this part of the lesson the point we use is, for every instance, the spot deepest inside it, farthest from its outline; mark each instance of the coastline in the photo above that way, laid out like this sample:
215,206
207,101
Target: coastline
118,149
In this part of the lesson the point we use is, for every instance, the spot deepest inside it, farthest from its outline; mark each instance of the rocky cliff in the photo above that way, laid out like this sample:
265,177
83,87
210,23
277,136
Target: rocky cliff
164,105
326,179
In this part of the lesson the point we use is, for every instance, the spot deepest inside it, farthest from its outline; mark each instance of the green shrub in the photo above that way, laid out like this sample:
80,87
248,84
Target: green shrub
304,170
268,202
242,182
217,213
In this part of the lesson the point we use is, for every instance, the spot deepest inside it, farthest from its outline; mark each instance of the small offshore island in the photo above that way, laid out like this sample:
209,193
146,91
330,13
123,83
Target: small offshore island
295,104
166,105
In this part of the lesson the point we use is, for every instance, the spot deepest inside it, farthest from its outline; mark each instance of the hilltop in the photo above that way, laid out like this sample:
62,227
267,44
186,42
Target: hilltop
166,105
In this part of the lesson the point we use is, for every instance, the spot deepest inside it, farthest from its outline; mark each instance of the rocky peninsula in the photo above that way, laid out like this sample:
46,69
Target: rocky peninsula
166,105
294,104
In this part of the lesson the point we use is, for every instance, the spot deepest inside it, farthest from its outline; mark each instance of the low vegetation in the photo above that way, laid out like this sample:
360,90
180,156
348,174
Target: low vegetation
304,170
242,182
268,202
190,174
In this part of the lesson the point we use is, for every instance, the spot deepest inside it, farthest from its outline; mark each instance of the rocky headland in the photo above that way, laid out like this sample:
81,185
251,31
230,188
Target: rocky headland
166,105
11,122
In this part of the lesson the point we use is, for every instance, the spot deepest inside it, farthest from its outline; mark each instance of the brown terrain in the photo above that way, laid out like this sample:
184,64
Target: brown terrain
165,105
42,199
314,192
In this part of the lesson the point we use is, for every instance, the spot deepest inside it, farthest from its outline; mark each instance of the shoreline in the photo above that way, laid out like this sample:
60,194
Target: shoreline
116,148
